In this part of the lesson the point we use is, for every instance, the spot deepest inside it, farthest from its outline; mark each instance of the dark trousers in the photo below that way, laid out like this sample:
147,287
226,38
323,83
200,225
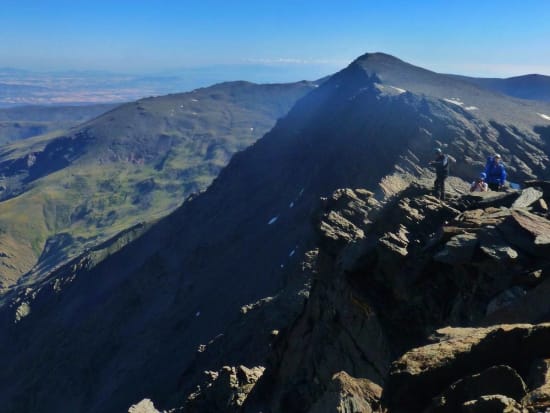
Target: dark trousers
493,186
439,187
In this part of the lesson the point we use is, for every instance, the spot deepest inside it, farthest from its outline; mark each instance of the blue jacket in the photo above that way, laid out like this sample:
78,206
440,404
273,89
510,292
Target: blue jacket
496,174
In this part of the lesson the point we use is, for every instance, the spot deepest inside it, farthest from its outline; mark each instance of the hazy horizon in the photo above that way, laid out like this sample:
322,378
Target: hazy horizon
489,39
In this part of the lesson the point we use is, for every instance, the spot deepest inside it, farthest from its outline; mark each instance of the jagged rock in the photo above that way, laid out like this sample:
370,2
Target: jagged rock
528,197
494,403
424,372
226,390
483,217
527,231
458,250
492,199
495,380
539,397
347,394
144,406
338,231
495,247
395,242
537,226
348,212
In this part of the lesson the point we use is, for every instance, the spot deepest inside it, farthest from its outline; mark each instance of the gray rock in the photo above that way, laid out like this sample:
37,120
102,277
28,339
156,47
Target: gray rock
528,197
347,394
424,372
458,250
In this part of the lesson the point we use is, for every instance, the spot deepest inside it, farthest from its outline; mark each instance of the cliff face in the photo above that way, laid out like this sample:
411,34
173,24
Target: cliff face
390,278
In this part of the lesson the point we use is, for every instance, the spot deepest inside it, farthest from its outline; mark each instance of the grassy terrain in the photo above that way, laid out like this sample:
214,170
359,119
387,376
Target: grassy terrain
65,192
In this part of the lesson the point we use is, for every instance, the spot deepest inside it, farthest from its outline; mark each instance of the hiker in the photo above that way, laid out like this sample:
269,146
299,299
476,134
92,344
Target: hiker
496,174
479,185
441,165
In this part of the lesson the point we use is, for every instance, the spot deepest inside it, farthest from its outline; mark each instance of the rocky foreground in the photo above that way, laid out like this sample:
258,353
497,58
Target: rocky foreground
416,305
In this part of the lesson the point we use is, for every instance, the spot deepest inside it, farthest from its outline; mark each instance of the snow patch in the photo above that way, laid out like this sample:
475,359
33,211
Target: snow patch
471,108
292,252
252,129
545,117
399,90
291,205
198,313
282,266
194,100
273,220
454,101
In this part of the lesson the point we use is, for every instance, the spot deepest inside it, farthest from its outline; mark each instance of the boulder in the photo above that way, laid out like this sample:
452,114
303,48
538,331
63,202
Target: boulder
347,394
495,247
458,250
495,380
424,372
527,231
528,197
535,225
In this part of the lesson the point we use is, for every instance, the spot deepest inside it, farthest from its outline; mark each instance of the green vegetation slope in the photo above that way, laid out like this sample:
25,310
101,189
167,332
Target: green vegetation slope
135,163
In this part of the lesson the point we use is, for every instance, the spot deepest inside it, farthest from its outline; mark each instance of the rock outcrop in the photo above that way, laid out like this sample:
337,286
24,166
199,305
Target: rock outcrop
391,276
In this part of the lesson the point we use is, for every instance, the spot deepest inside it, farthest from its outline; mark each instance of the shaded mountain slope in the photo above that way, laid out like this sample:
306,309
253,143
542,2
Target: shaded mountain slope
132,324
137,162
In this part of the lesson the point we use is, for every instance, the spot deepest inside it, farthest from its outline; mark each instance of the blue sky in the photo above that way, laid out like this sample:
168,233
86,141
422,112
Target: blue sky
303,38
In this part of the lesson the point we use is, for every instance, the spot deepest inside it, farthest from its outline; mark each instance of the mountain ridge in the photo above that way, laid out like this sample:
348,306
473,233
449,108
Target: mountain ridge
165,298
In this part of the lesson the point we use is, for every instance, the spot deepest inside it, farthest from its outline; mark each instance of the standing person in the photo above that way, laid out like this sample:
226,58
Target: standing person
479,185
441,165
496,174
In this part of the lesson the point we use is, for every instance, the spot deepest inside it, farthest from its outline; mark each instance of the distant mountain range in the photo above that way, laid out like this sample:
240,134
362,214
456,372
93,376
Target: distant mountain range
224,279
534,87
23,87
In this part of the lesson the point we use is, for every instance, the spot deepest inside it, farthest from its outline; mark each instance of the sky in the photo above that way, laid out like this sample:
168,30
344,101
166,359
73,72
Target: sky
298,37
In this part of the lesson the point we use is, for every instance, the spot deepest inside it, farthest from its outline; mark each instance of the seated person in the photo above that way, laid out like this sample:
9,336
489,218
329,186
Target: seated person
479,185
